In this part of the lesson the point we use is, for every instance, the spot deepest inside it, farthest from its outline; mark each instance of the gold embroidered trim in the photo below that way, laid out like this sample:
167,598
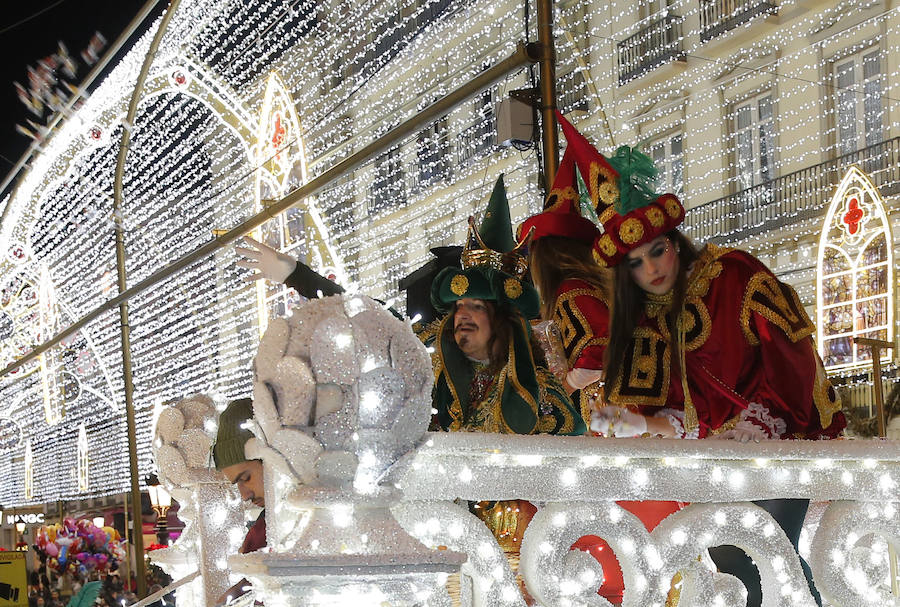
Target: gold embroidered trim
650,353
672,208
776,302
512,288
459,284
728,425
825,397
631,231
606,188
568,331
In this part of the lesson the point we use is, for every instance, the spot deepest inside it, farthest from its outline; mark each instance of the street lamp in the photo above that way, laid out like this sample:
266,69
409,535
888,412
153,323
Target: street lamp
161,501
20,530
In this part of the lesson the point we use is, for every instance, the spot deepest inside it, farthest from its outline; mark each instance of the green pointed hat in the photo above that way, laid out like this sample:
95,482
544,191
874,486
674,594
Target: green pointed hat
493,265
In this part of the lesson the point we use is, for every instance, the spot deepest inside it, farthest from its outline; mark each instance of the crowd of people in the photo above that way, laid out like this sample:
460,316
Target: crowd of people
657,337
56,590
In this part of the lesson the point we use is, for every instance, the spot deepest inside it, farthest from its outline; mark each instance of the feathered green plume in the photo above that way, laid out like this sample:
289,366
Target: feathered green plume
637,178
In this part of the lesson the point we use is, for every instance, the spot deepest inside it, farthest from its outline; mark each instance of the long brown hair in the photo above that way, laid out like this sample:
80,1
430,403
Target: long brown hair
553,259
628,305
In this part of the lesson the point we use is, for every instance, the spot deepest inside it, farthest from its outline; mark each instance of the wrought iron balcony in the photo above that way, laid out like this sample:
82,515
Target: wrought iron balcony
476,140
792,198
572,93
720,16
658,43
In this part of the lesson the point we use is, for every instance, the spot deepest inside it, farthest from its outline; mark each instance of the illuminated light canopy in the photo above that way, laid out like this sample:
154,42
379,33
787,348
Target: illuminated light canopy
856,273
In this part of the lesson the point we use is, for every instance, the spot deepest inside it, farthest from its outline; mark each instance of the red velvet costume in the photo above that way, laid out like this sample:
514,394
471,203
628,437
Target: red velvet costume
748,353
582,315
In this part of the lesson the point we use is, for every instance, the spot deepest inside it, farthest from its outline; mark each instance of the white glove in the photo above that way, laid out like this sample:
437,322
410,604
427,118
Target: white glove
265,261
744,432
617,421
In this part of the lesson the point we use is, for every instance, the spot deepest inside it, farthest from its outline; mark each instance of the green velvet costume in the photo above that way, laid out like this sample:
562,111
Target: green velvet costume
524,397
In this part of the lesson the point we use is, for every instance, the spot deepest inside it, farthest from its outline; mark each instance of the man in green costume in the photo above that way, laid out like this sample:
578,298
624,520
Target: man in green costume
490,373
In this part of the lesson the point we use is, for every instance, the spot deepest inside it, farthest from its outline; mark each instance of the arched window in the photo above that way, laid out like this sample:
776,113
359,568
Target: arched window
855,281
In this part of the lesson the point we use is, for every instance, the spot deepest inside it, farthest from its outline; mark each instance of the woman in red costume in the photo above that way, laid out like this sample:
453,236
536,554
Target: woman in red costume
696,344
704,343
575,292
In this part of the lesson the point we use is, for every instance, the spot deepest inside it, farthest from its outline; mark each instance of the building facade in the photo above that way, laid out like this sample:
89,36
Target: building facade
755,112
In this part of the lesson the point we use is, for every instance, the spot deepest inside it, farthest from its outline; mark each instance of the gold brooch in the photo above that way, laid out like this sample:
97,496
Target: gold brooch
673,208
606,245
656,217
631,231
459,284
512,287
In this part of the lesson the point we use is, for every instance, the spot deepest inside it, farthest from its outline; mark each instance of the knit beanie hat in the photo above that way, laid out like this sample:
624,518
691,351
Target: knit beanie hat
231,436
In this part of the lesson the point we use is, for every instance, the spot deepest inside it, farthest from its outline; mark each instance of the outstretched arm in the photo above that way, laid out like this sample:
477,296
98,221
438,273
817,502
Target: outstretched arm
265,262
272,265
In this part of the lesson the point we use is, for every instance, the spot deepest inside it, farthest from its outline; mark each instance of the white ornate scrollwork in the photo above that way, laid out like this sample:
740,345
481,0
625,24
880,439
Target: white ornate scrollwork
450,525
840,577
558,576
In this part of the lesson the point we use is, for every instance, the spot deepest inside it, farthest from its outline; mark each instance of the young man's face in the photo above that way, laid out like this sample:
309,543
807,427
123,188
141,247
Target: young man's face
248,477
472,328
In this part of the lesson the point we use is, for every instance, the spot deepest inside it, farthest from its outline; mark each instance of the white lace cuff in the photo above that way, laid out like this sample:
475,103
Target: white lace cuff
676,418
759,416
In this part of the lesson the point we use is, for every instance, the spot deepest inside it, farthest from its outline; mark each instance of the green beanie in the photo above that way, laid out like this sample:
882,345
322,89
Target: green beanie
231,437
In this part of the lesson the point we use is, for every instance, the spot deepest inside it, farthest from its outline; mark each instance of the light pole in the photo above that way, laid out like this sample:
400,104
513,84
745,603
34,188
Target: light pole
161,501
20,533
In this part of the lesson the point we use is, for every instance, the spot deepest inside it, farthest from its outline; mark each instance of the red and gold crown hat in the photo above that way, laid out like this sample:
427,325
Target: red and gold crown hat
621,193
561,215
639,215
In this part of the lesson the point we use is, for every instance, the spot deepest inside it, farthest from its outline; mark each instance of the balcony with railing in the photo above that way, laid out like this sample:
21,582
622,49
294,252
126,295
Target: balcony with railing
476,140
792,198
720,16
572,93
658,43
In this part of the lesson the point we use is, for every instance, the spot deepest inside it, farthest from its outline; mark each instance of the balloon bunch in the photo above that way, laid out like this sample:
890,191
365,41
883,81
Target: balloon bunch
79,547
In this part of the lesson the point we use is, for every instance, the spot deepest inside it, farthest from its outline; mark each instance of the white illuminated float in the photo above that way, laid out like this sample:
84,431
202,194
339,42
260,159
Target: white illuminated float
362,505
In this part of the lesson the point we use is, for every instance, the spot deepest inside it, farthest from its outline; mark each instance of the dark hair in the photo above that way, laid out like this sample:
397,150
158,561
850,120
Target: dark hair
502,318
628,305
553,259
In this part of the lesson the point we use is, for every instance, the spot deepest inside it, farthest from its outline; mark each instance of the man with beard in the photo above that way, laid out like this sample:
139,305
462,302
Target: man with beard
490,373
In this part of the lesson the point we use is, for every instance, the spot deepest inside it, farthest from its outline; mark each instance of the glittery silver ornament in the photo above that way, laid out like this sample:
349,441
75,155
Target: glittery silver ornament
170,424
195,445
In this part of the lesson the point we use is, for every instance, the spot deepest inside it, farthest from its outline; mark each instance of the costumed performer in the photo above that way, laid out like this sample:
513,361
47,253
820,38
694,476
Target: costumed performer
575,292
490,372
703,343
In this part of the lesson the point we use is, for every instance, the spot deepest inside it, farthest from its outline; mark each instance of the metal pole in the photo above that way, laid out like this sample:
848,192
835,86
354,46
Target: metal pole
523,56
126,538
137,535
549,136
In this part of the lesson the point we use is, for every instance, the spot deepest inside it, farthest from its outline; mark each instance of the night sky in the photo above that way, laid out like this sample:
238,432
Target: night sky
29,31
